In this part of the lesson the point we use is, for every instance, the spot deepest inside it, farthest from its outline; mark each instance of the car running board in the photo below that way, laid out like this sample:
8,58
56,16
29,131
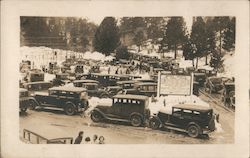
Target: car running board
117,119
175,128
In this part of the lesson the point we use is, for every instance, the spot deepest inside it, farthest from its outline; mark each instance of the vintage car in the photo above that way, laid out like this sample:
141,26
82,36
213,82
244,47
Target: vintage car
196,88
195,120
113,90
70,99
228,96
53,68
24,100
61,79
34,76
79,68
93,89
125,108
126,84
211,73
200,78
80,83
213,84
190,70
147,88
37,86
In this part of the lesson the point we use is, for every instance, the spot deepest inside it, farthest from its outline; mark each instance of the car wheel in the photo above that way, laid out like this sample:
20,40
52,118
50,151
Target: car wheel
193,131
136,120
70,109
32,105
23,110
104,96
154,123
96,116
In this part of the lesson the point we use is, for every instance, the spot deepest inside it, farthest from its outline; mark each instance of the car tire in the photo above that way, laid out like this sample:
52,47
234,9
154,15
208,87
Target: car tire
23,110
70,109
104,96
96,116
136,120
193,131
154,123
32,105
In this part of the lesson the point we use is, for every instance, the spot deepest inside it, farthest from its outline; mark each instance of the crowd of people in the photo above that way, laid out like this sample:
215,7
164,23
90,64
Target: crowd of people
95,140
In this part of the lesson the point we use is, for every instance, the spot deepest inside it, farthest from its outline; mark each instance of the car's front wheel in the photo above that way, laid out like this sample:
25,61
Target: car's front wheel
193,131
70,109
154,123
96,116
136,120
32,104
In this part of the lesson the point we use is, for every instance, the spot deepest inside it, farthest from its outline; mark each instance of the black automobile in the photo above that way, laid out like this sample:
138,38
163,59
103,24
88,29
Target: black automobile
70,99
228,96
24,100
195,120
125,108
147,88
213,84
200,78
33,87
61,79
93,89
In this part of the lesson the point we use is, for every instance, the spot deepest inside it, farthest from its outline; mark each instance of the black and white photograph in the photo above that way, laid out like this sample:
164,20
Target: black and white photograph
125,77
163,79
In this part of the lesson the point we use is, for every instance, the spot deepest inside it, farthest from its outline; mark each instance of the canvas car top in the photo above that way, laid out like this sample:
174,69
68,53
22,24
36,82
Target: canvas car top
69,89
39,82
146,84
130,96
85,81
192,107
124,82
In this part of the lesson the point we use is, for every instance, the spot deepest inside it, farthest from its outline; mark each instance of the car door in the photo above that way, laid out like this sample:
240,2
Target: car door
177,117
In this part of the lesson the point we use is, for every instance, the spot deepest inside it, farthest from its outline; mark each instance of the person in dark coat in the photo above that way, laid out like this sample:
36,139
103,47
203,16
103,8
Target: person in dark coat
78,139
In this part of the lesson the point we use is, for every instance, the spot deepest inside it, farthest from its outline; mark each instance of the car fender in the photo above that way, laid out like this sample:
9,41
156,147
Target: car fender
194,123
157,118
34,99
99,111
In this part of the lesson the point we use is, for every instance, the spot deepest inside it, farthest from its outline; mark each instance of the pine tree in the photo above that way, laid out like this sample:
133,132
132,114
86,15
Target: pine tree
188,50
122,52
107,36
174,34
198,38
229,36
210,38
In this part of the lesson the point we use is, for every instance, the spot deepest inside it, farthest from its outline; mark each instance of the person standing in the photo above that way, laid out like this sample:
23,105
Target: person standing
78,139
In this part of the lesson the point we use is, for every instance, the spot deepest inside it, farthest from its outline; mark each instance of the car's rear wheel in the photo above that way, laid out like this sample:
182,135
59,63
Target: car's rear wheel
193,131
154,123
104,96
96,116
70,109
136,120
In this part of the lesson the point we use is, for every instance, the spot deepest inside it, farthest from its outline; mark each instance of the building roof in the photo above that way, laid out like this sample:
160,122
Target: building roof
130,96
193,107
69,89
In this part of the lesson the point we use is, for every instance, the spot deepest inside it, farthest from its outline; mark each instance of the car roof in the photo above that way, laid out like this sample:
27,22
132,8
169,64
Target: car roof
146,83
130,96
85,81
69,89
124,82
38,82
62,74
193,107
199,73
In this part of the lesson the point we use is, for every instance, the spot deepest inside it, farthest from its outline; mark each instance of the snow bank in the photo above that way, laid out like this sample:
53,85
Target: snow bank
97,56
